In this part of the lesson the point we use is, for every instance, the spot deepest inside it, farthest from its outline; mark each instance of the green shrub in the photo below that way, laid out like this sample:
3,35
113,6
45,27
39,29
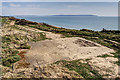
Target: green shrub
27,47
83,69
9,60
24,46
15,51
6,39
117,54
104,56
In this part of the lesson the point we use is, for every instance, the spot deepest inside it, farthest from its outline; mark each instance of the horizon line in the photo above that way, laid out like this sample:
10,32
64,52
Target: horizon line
64,15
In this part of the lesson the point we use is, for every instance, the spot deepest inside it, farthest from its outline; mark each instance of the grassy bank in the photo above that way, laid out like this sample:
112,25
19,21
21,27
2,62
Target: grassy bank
13,42
109,39
82,68
14,39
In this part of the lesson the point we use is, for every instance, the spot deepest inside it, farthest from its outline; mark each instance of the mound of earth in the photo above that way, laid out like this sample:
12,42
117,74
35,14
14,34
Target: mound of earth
49,51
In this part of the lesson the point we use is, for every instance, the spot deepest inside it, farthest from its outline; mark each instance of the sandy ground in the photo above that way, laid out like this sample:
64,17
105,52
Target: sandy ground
49,51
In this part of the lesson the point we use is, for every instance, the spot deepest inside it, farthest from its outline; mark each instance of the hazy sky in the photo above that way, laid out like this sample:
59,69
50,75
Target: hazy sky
60,0
60,8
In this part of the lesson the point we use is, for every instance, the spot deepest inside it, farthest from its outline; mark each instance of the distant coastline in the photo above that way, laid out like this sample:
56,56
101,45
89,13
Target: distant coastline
75,15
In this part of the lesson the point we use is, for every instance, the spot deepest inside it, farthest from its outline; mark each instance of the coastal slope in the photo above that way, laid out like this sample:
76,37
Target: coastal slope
54,55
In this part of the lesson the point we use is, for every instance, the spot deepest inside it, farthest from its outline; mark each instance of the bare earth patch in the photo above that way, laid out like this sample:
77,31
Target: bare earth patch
49,51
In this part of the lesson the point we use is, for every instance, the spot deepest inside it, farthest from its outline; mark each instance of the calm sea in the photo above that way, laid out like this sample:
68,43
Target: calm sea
77,22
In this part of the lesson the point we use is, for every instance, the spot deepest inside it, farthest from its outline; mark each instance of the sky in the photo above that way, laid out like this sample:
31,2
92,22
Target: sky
60,0
60,8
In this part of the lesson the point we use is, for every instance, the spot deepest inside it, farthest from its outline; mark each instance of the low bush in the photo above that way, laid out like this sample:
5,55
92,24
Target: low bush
83,69
24,46
9,60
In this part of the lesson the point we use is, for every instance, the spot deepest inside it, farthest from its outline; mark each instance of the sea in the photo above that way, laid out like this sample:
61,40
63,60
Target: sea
96,23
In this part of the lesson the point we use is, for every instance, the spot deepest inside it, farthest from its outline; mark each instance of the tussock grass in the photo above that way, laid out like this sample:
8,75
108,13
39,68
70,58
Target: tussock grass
83,69
12,42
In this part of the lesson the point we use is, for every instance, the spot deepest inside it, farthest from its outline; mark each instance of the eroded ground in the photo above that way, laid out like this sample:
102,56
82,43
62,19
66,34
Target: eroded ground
49,51
38,60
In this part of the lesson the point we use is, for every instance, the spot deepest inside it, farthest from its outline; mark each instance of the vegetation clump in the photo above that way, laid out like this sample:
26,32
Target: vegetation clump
13,42
82,67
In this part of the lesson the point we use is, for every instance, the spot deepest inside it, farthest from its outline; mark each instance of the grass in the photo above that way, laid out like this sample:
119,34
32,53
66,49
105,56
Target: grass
24,46
88,34
104,56
80,33
85,32
100,37
11,43
9,60
96,36
117,62
16,41
117,55
41,36
83,69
